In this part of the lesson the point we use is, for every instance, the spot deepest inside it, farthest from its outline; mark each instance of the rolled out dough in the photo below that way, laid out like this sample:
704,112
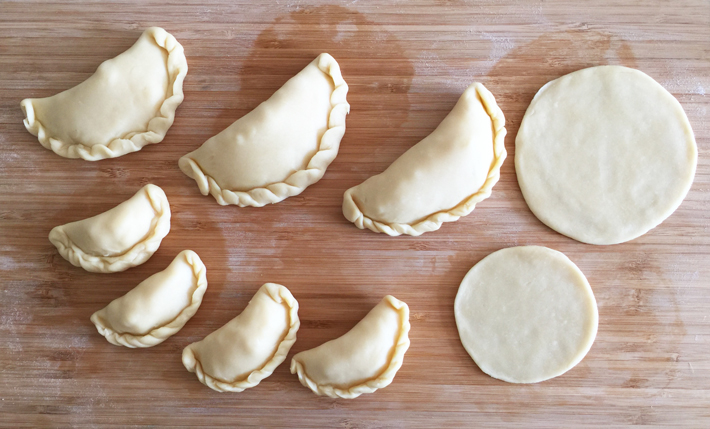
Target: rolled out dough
526,314
604,154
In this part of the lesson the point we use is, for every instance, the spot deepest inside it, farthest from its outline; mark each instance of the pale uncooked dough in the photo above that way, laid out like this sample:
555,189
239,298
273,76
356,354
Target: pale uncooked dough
604,154
280,148
439,179
248,348
129,102
118,239
363,360
526,314
158,307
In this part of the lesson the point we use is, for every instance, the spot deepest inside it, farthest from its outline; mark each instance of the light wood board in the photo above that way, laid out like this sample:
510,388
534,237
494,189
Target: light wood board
406,63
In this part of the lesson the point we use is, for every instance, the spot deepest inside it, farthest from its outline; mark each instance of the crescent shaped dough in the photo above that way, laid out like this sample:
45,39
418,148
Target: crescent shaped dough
127,103
280,148
248,348
363,360
440,178
158,307
118,239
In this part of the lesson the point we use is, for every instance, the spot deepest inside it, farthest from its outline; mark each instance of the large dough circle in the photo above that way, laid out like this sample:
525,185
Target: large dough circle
526,314
604,154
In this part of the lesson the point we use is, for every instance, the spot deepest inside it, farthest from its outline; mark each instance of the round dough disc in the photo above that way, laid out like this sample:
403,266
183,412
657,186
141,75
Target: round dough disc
604,154
526,314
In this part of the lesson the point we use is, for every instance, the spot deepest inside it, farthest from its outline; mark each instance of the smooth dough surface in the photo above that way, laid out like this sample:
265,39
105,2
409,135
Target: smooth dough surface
604,154
526,314
281,147
439,179
363,360
129,102
158,307
118,239
248,348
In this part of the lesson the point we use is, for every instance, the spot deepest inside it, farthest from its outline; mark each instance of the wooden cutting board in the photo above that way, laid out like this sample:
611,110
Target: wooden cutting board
406,63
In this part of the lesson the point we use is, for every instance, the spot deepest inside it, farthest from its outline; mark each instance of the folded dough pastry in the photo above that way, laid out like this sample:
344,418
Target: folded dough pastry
280,148
158,307
248,348
118,239
127,103
439,179
364,359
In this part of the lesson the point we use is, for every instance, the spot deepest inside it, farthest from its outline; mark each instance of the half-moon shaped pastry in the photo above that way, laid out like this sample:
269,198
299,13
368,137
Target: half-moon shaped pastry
280,148
439,179
158,307
248,348
364,359
118,239
127,103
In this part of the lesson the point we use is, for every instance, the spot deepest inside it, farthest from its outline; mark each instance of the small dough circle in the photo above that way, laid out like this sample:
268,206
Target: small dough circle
604,154
526,314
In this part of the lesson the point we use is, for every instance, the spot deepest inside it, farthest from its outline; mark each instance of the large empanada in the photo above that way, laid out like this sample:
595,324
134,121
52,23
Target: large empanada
118,239
280,148
127,103
158,307
363,360
248,348
440,178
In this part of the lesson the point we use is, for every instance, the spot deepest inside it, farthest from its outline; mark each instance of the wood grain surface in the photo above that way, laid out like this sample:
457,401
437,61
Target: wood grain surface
406,63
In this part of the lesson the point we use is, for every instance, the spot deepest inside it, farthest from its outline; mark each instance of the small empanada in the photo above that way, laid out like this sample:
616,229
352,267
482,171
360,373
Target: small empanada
127,103
363,360
280,148
440,178
118,239
158,307
248,348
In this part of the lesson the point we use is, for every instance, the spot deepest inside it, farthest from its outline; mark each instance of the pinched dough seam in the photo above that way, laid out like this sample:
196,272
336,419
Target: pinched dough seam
158,335
280,295
383,380
136,255
132,141
298,181
433,222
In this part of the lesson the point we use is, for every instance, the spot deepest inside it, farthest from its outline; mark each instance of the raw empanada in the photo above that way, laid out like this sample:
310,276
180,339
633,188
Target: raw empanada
280,148
118,239
248,348
364,359
127,103
439,179
158,307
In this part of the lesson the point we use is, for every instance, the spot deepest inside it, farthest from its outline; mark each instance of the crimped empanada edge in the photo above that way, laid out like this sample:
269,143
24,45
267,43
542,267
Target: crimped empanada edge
382,380
279,294
434,221
136,255
298,181
158,335
157,127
